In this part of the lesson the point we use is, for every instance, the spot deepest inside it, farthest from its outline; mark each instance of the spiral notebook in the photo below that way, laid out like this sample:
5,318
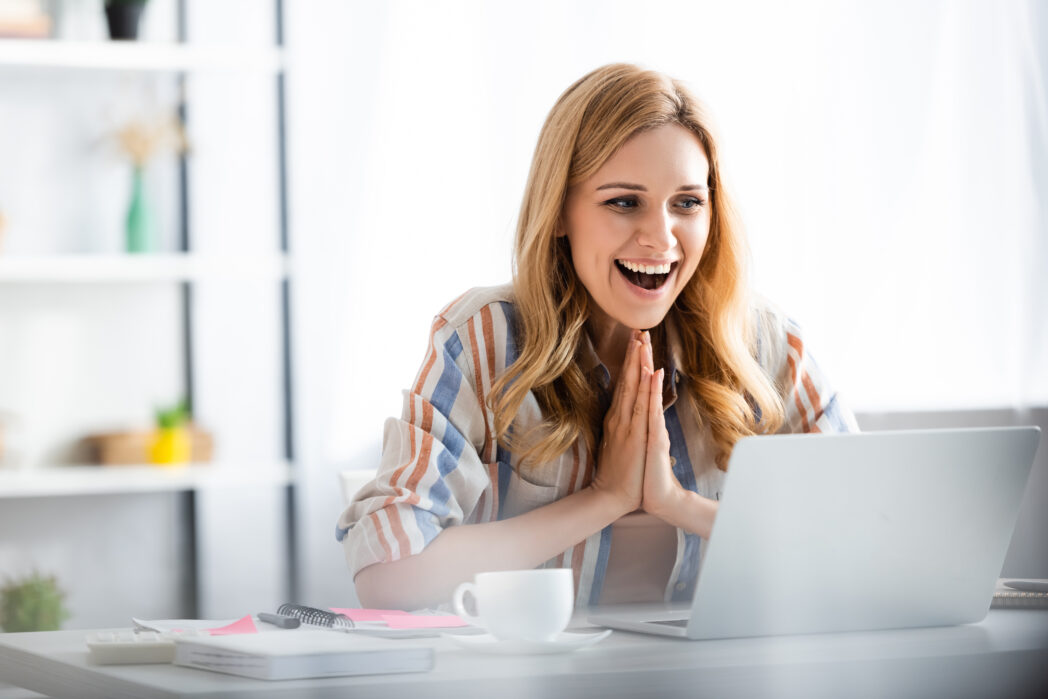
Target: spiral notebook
385,623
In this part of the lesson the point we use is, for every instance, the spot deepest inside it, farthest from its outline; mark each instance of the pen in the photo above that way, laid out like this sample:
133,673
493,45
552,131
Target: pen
284,622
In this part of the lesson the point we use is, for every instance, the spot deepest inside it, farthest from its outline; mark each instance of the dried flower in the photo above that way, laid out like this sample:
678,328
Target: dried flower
140,140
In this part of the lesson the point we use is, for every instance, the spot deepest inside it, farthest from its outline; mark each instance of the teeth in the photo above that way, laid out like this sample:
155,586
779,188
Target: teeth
646,269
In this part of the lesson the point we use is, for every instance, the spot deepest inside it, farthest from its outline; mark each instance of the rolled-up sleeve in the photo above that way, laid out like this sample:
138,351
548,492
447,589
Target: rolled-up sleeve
431,475
811,403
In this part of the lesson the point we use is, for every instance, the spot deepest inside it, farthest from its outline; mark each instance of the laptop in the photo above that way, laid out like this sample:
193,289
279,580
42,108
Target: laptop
852,532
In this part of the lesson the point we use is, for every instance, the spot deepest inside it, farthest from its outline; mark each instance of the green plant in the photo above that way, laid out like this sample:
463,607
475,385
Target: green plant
34,603
175,416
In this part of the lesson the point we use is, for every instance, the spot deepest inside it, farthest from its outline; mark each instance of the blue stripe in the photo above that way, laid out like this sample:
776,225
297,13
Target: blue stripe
452,442
447,388
832,412
505,470
601,568
679,450
689,569
510,314
503,456
340,533
426,524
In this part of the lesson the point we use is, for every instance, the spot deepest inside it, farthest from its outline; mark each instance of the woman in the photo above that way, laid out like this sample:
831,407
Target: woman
584,416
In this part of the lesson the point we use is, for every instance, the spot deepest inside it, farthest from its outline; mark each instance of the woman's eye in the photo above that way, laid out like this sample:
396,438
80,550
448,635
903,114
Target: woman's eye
691,203
625,203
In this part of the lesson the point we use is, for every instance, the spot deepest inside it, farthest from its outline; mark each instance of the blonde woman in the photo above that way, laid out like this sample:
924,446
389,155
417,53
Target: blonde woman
583,416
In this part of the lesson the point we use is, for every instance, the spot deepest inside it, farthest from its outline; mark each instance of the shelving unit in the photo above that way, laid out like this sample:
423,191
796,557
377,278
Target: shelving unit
187,271
137,57
58,481
161,268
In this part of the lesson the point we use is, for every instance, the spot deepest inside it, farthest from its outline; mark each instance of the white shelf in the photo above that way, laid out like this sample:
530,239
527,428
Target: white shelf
99,480
141,268
137,56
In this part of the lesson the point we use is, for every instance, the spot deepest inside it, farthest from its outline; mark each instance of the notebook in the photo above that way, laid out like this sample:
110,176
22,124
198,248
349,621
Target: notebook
301,653
853,532
1008,597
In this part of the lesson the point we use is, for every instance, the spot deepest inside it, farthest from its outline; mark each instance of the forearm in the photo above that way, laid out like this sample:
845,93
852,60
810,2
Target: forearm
691,512
458,553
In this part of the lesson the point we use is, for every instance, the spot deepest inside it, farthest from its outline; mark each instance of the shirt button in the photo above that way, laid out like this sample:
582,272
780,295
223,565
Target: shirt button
680,586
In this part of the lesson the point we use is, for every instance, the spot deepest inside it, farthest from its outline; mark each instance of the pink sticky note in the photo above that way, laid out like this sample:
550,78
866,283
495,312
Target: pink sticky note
414,621
245,625
368,614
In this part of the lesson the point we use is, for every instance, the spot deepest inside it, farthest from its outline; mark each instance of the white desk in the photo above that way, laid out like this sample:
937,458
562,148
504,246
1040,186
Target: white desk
1004,656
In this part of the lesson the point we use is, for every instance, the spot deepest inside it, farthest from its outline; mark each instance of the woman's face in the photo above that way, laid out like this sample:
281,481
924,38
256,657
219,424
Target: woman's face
637,228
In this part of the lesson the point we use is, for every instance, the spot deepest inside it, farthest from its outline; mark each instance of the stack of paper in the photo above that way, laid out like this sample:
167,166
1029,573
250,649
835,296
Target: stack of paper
301,653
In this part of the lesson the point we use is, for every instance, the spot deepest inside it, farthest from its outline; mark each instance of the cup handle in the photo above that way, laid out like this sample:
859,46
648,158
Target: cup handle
460,609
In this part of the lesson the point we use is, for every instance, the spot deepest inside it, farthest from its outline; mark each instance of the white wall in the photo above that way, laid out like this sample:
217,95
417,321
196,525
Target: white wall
887,158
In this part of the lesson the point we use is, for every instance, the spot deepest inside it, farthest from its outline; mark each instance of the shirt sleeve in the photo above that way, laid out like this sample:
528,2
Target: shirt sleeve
431,475
810,401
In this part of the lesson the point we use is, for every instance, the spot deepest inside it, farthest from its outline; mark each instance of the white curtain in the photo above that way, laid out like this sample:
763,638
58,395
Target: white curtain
890,160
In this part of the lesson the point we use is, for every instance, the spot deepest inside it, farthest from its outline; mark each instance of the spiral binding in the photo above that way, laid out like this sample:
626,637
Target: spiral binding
316,617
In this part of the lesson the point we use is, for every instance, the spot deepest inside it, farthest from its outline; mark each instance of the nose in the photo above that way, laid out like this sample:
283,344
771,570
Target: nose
656,231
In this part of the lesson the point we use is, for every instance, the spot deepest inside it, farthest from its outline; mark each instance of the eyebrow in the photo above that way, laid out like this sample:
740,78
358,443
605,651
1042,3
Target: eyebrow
642,188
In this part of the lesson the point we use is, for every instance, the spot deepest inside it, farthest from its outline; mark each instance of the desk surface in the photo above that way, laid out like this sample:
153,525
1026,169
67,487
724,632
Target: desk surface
1006,655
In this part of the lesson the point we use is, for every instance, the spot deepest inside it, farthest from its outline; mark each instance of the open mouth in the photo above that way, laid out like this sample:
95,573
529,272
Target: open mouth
638,275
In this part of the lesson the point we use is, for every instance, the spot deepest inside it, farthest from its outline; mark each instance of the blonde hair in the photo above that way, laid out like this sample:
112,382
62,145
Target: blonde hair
726,385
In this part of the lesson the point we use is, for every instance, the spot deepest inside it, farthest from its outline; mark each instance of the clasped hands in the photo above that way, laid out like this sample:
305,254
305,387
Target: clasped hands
633,463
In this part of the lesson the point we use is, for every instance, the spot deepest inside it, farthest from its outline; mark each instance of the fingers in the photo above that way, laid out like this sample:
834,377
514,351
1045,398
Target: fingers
657,435
629,378
646,356
640,404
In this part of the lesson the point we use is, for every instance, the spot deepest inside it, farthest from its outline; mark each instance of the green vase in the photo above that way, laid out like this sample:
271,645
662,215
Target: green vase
139,223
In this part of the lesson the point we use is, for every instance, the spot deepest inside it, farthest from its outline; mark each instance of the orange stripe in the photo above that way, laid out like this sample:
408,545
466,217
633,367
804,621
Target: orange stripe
813,395
381,536
795,343
427,447
424,374
398,531
400,471
797,396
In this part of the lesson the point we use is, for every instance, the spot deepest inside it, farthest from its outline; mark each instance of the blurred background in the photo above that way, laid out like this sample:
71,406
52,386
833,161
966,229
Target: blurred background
222,242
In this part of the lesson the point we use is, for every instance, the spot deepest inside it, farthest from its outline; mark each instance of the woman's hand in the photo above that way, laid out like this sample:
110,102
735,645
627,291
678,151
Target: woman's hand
662,491
620,461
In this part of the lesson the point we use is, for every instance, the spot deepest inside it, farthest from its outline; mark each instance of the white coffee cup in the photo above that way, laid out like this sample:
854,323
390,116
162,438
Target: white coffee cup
527,605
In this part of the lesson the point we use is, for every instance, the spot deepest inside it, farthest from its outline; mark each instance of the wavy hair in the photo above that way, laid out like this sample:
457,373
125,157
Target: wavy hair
728,389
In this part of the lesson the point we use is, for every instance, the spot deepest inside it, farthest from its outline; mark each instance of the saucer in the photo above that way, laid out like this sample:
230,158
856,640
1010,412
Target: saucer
565,642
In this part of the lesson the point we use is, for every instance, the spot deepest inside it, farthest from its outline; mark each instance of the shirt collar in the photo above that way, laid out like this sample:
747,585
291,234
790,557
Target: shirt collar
590,363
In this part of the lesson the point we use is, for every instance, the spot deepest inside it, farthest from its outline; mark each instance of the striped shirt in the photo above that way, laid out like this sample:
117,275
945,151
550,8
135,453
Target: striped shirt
442,466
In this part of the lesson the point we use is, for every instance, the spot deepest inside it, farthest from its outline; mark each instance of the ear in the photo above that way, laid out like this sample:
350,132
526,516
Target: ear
562,225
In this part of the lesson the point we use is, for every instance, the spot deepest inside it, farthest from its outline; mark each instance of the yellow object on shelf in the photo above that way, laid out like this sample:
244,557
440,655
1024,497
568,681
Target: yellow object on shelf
170,446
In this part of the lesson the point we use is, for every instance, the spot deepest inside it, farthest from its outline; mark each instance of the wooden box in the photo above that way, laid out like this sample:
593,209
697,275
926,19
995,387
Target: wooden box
132,447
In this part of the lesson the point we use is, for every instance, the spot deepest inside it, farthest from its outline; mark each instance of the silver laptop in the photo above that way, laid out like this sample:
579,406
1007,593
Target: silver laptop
853,532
